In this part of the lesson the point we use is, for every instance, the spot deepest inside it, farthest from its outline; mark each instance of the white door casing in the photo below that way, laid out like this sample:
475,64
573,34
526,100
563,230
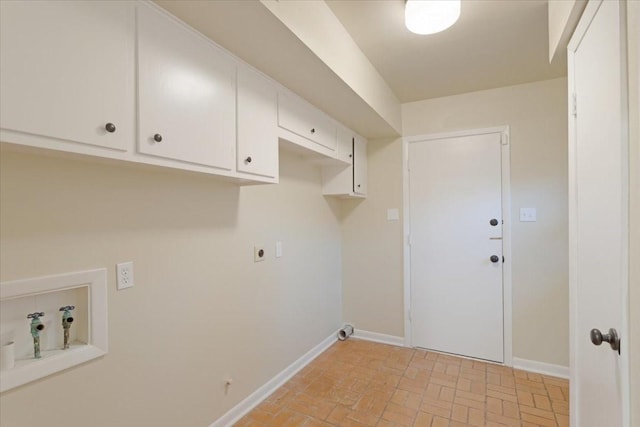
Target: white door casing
491,282
598,215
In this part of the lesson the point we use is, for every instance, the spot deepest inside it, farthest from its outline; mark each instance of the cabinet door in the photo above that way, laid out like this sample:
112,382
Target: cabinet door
257,124
344,150
301,118
186,93
359,166
67,70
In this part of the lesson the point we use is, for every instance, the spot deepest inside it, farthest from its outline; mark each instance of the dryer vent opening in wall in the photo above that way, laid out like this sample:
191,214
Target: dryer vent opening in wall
345,332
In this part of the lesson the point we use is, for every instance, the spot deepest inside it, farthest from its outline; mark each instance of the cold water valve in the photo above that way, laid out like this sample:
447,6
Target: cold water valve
36,327
67,320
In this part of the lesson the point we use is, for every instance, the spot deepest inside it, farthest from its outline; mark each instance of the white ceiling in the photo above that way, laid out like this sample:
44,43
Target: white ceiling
495,43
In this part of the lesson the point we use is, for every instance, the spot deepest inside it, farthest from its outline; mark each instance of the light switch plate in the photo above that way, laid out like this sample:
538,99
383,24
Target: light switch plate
393,214
528,215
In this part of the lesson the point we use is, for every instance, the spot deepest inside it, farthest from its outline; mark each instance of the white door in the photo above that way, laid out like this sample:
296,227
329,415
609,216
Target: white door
456,245
598,185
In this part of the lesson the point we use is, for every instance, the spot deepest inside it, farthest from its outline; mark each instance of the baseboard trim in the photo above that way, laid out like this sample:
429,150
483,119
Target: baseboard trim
255,398
541,367
376,337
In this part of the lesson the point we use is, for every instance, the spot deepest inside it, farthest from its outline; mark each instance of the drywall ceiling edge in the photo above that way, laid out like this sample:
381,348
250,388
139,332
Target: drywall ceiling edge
320,30
563,18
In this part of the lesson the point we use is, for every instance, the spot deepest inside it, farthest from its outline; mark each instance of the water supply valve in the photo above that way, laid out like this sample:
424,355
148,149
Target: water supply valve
67,320
36,327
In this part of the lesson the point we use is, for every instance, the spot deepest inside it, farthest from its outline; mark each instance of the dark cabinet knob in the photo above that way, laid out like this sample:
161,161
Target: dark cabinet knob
350,155
494,258
157,137
493,222
110,127
313,130
248,159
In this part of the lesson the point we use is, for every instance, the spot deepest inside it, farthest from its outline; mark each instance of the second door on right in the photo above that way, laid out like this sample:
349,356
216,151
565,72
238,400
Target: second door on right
456,261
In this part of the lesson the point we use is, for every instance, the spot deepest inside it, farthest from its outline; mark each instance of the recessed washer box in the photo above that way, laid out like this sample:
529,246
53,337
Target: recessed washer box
86,290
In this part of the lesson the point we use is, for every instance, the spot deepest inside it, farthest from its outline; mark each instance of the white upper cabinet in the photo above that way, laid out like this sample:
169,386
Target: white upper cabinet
351,180
186,94
125,80
303,119
67,74
257,124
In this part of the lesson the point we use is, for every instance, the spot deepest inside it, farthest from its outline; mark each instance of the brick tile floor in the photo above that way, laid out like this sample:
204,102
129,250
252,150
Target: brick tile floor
360,383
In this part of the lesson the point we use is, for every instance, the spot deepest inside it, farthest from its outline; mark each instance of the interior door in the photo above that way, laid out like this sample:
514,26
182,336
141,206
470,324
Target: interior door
598,185
456,260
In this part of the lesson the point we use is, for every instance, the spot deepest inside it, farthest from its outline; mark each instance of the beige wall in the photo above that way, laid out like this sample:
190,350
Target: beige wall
201,309
536,112
372,246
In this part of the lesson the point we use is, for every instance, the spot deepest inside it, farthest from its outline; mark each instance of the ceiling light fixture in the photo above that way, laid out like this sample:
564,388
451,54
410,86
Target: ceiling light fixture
430,16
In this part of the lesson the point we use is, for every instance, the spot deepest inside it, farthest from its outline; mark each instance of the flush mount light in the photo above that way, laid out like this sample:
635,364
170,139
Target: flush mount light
430,16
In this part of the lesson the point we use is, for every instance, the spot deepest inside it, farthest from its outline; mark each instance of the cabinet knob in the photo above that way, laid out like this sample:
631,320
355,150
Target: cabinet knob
248,159
358,185
110,127
494,258
157,137
350,155
313,130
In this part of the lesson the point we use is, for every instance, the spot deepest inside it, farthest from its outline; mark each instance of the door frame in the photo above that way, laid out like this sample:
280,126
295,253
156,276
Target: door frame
507,302
579,33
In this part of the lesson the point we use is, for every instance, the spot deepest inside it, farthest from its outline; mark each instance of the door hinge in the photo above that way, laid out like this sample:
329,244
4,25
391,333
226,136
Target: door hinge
574,105
504,139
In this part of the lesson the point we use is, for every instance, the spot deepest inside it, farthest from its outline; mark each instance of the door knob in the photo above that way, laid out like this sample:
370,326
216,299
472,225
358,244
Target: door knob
612,338
493,222
494,258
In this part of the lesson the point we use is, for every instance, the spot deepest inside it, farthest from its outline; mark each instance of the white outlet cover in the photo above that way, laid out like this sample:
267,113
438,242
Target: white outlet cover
124,275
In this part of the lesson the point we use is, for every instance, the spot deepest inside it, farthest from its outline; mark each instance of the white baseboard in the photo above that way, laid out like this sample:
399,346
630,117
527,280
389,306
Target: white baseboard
541,367
255,398
376,337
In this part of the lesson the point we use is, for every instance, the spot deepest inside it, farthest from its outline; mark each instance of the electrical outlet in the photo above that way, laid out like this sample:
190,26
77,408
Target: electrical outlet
258,253
124,275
